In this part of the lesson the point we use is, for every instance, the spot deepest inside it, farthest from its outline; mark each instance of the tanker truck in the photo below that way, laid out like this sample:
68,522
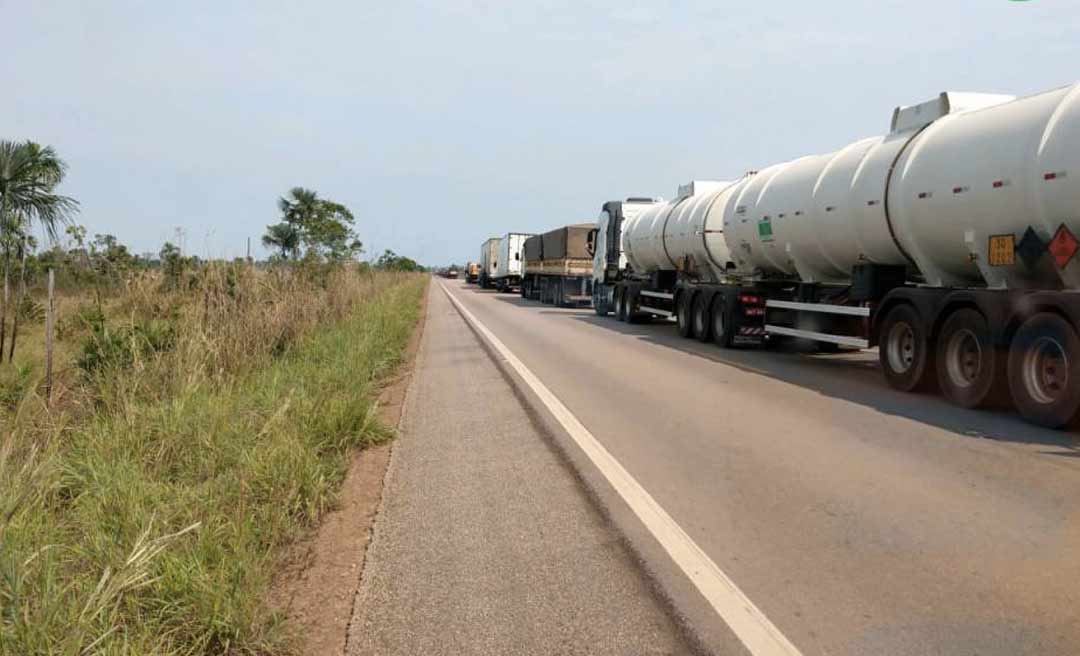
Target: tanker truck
948,243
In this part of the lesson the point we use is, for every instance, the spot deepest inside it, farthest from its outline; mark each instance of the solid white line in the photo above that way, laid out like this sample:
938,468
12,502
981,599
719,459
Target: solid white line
754,630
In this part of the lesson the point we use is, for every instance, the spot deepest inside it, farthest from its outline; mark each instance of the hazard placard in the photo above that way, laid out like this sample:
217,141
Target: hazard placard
1063,246
1002,250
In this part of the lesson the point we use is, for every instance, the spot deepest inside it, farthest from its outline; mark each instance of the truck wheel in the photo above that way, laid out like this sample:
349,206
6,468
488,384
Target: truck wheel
600,305
1044,370
632,313
682,315
620,303
721,329
903,350
970,369
701,320
559,295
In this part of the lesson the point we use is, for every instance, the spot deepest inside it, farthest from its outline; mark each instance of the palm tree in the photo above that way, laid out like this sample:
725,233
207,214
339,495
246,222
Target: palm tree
29,174
300,206
285,236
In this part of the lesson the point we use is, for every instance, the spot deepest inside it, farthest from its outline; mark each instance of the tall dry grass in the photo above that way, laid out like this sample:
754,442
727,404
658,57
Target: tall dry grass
201,425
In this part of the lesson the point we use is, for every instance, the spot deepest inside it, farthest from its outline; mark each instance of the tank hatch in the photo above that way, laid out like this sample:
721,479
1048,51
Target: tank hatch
913,117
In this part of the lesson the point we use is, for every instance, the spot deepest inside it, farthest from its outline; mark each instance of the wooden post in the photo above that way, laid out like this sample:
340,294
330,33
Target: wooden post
50,322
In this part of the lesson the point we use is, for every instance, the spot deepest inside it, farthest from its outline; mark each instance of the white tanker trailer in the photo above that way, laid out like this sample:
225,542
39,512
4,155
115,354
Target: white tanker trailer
949,243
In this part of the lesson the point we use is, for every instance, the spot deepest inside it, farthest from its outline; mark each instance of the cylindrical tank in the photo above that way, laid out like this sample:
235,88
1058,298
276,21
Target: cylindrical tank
683,232
952,174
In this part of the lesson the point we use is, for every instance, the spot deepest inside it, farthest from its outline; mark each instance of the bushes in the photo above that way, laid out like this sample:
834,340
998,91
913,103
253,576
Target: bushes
119,348
149,520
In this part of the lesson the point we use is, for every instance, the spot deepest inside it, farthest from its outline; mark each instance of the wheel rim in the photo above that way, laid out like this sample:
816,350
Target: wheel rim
901,347
1046,370
718,322
963,358
699,319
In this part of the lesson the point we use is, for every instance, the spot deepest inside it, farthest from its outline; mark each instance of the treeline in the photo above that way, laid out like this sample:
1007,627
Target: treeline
312,234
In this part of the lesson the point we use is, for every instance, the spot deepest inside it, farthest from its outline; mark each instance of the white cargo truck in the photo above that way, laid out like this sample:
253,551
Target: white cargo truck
508,267
949,243
489,262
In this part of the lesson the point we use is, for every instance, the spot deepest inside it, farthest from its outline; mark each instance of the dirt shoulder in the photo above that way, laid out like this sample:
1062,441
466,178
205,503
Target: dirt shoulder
317,586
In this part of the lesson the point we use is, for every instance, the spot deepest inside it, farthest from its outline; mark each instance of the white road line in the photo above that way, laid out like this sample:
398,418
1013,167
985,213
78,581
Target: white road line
757,633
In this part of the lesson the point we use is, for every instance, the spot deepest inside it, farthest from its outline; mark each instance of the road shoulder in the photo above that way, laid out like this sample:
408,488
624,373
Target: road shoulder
317,585
486,541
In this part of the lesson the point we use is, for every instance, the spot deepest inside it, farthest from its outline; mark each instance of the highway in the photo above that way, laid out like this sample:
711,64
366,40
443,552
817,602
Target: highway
858,520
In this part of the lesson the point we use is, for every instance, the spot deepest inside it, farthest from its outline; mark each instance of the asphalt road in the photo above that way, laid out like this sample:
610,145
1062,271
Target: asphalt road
486,542
858,519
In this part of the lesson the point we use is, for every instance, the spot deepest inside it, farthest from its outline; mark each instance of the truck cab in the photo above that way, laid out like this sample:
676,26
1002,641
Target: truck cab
605,244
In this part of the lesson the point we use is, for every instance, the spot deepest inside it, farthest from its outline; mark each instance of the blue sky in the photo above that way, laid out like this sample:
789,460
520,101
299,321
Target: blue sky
442,123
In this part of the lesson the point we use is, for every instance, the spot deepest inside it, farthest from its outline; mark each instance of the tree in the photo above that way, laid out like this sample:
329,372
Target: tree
29,175
329,233
172,264
391,261
322,226
283,236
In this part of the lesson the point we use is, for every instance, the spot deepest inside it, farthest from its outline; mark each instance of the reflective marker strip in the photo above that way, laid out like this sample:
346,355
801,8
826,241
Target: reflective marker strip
746,621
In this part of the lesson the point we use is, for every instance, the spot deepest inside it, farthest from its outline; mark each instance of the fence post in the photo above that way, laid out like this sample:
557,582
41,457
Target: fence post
50,322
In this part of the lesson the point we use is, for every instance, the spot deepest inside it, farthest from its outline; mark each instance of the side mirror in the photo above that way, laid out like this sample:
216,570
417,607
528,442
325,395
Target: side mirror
590,242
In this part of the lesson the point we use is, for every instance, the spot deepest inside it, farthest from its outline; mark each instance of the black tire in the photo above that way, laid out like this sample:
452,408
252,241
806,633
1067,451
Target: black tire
721,326
620,303
970,368
632,314
600,305
904,350
683,322
1044,371
700,319
560,300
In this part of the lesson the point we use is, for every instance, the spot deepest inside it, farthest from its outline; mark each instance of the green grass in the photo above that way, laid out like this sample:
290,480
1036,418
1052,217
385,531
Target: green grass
154,525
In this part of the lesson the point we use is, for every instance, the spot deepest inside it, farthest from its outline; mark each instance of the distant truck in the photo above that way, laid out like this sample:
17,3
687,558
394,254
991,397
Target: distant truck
472,272
508,267
559,266
489,260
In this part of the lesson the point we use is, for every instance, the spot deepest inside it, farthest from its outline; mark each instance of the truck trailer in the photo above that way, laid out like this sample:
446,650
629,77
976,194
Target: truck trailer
508,267
472,272
558,266
489,261
948,243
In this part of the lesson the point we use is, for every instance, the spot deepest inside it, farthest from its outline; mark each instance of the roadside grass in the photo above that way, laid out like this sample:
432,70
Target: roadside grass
204,431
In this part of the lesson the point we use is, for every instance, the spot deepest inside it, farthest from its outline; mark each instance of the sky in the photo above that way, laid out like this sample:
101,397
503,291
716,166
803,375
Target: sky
442,123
